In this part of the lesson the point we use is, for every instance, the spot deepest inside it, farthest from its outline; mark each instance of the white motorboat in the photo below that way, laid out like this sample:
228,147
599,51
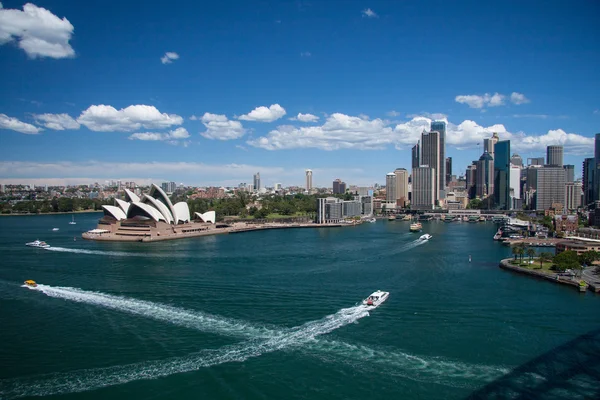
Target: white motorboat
372,220
38,243
55,229
426,236
72,220
376,298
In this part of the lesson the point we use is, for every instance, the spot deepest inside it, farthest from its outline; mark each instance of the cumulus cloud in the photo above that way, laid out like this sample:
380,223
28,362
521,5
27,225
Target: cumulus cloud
58,122
221,128
38,32
305,118
369,13
518,98
103,118
342,131
14,124
477,101
264,114
171,136
429,115
169,57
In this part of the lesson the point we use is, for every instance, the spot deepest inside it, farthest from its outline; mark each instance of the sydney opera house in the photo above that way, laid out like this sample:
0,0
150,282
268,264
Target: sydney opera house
149,218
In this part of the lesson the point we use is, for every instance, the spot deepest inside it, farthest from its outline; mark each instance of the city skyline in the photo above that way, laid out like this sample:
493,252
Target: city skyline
205,110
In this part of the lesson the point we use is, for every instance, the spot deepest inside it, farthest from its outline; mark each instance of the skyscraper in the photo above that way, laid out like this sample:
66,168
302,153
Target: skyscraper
596,189
516,160
416,156
423,188
550,187
572,195
448,170
554,155
471,180
309,180
488,144
589,180
440,126
502,175
569,173
484,185
257,181
339,187
535,161
401,186
390,188
430,156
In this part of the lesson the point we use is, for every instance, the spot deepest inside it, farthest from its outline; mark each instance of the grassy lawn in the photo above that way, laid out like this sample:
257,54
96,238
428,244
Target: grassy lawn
535,266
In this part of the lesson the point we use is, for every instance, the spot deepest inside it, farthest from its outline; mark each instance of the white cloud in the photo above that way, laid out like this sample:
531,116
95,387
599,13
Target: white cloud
541,116
264,114
103,118
518,98
369,13
305,118
38,32
195,118
429,115
392,113
496,100
171,136
305,54
58,122
477,101
341,131
169,57
14,124
221,128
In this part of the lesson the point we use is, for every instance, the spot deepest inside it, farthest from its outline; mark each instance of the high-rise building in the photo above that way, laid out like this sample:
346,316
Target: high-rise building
440,126
569,173
448,170
390,188
502,175
554,155
308,184
430,156
401,186
471,180
257,181
516,160
589,180
168,187
484,182
515,185
535,161
277,186
423,188
550,187
488,144
339,187
573,195
596,172
416,155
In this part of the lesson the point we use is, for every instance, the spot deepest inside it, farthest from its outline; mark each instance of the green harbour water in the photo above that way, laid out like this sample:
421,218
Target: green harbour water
273,314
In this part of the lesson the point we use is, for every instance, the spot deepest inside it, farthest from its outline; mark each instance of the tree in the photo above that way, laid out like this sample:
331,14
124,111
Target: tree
566,260
515,251
475,204
520,251
544,257
589,257
530,253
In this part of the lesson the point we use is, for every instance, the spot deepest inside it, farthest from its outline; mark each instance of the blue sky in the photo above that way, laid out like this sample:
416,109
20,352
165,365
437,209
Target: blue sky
86,85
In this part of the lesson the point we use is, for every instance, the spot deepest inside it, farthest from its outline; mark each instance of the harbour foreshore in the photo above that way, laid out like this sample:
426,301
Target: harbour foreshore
552,277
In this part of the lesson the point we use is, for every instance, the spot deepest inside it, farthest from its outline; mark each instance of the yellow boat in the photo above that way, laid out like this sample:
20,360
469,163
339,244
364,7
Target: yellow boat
30,283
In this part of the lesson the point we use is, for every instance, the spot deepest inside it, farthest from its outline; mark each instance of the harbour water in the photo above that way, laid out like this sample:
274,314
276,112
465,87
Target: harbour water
273,314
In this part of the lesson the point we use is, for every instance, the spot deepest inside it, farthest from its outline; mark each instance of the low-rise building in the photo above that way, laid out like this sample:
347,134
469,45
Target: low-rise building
567,224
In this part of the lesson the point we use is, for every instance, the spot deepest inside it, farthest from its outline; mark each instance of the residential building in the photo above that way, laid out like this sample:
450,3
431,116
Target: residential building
448,170
440,127
329,210
390,188
168,187
257,182
351,209
423,188
401,186
550,187
569,173
430,156
554,155
501,190
516,160
416,156
308,185
573,195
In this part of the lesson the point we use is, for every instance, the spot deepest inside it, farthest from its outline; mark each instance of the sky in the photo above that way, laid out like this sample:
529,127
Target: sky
209,93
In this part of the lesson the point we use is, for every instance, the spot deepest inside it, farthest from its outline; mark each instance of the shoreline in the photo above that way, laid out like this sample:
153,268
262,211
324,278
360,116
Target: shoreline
506,265
49,213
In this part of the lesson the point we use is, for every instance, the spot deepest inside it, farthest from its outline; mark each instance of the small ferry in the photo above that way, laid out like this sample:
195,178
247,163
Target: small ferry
426,236
30,283
416,227
407,217
376,298
38,243
391,218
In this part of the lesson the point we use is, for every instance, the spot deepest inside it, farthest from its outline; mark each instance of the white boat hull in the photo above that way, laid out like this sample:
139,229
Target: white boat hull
378,298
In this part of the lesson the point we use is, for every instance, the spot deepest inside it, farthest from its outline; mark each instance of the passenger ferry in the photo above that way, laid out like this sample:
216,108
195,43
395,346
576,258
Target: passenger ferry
416,227
30,283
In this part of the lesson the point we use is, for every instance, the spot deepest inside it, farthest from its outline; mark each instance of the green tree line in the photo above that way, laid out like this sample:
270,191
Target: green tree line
62,204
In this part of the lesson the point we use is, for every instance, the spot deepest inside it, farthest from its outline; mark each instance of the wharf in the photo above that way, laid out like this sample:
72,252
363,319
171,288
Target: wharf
532,242
552,277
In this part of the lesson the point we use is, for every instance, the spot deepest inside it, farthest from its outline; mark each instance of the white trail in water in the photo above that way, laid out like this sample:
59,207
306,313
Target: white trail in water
98,252
84,380
261,340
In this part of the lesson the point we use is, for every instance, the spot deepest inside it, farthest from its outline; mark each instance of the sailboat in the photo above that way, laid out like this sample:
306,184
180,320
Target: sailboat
72,220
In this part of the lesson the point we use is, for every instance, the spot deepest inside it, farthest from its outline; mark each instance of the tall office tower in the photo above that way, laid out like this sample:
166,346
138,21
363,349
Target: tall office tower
416,156
430,156
502,175
339,187
308,184
390,188
535,161
488,144
440,126
596,190
484,185
515,184
423,188
257,181
448,170
554,155
401,186
569,173
589,180
550,187
516,160
342,187
572,195
471,179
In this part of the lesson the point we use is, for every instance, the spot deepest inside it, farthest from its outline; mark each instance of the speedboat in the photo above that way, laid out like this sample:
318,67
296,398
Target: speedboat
372,220
38,243
55,229
30,283
426,236
376,298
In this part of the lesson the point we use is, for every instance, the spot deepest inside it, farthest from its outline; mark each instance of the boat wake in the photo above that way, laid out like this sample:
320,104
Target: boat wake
98,252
